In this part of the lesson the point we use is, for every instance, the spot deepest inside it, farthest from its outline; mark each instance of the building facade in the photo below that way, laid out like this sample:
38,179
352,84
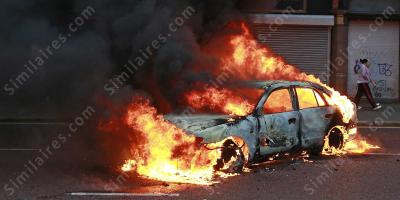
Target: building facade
326,37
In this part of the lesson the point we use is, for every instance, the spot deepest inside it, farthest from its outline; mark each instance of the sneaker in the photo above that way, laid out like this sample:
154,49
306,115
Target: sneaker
377,107
377,104
359,107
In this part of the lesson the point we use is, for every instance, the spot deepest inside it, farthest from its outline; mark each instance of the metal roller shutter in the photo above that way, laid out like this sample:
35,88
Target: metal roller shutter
306,47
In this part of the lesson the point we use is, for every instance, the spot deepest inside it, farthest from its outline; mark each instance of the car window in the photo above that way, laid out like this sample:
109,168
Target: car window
306,98
326,96
320,99
278,101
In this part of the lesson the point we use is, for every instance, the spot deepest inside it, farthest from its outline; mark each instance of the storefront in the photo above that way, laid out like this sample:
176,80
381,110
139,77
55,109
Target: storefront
377,41
303,40
373,33
325,38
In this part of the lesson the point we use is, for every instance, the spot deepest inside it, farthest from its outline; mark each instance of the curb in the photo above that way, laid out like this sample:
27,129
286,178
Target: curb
384,124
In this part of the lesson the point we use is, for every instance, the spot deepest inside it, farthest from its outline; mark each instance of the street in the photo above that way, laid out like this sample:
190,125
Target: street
199,99
374,176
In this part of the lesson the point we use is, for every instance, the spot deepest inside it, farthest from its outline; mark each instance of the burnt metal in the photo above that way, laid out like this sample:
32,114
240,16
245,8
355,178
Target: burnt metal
267,134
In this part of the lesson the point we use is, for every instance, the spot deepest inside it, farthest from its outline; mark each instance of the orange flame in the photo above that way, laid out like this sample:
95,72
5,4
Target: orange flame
248,60
222,99
356,146
253,61
168,153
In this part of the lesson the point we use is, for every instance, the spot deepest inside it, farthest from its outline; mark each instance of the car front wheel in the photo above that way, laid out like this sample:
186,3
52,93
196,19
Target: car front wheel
232,158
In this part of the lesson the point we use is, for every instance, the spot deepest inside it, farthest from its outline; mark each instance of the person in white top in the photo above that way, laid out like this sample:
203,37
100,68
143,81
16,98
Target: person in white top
363,79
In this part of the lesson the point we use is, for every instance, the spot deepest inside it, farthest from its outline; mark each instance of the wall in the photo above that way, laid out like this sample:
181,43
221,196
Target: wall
381,48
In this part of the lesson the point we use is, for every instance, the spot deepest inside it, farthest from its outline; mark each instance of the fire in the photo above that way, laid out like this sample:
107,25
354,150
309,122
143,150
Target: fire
251,61
248,60
213,98
254,61
167,153
343,103
358,145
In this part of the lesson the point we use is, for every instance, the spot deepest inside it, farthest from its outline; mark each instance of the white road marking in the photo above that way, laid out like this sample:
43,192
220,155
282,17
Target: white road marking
19,149
123,194
379,127
379,154
33,123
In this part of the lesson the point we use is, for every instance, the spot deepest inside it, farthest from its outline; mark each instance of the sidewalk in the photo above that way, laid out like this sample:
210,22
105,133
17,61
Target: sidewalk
388,115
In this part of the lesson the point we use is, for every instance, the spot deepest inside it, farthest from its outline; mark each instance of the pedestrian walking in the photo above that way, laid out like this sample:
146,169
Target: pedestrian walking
363,79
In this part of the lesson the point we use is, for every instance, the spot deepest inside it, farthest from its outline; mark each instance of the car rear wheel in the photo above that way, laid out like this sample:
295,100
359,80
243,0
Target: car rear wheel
332,143
232,158
334,140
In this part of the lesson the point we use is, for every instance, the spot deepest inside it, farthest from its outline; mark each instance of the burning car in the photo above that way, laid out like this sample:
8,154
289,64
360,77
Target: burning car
300,113
289,116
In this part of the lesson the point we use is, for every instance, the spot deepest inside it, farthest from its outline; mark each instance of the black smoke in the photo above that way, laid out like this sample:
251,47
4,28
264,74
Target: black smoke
74,76
77,71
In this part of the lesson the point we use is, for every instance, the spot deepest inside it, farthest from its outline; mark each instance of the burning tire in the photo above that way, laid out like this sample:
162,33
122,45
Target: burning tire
232,158
333,142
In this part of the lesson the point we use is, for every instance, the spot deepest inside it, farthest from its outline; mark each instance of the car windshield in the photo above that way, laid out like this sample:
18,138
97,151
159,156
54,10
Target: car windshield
232,101
247,97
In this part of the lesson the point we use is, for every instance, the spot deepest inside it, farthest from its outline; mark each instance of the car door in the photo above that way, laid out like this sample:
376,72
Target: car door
316,115
279,122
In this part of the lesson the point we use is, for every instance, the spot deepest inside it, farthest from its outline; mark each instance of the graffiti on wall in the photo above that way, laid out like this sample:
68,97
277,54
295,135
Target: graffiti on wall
381,48
381,88
383,71
383,75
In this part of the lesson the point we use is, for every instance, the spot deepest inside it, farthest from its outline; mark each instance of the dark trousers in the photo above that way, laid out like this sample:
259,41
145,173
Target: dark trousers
363,88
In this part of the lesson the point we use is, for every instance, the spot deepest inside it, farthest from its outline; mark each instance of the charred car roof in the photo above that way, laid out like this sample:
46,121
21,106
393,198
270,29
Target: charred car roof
282,83
279,83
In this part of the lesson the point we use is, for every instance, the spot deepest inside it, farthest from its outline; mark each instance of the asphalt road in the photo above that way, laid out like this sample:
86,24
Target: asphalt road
349,177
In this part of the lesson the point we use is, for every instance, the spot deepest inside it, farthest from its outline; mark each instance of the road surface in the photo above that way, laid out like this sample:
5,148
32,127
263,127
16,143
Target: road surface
375,176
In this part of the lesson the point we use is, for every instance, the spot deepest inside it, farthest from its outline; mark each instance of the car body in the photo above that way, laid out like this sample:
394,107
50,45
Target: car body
285,118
